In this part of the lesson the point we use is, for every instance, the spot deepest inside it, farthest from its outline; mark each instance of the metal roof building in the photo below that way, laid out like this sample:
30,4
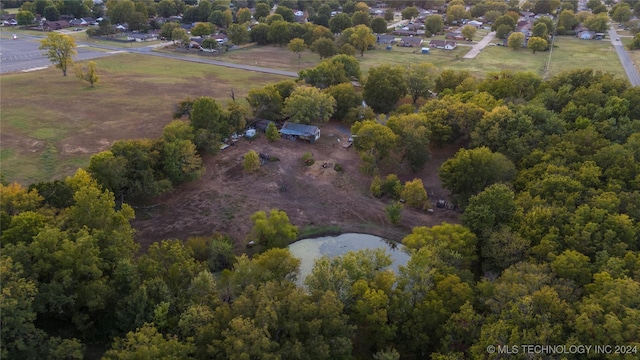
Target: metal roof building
307,132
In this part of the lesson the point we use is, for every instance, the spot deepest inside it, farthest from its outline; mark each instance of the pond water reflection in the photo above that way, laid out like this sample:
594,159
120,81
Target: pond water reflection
308,250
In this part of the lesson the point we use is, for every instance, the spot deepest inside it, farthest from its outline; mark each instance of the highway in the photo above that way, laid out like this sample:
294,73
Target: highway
625,59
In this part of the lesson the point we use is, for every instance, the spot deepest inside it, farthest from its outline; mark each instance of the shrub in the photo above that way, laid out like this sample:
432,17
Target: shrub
272,132
376,187
394,211
251,161
414,194
307,159
392,186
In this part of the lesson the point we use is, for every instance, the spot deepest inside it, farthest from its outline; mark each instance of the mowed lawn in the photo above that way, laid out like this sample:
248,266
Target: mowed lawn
569,53
52,124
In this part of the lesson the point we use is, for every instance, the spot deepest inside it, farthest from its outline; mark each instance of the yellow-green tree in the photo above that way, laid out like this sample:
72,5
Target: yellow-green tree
251,161
91,76
362,38
60,49
415,195
273,229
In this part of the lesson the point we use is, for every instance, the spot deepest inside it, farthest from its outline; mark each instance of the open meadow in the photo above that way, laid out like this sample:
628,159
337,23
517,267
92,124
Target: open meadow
51,124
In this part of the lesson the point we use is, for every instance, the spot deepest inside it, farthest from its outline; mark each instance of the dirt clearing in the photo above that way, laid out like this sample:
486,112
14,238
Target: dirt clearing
225,197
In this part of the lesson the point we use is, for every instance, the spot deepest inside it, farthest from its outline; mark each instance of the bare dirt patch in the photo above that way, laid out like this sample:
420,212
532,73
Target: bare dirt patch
225,197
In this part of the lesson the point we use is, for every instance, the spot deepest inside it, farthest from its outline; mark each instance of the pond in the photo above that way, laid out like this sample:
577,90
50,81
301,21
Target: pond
308,250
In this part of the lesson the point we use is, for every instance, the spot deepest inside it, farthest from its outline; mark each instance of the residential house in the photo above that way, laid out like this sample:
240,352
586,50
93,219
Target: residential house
443,44
454,35
411,42
475,23
385,39
55,25
586,35
405,33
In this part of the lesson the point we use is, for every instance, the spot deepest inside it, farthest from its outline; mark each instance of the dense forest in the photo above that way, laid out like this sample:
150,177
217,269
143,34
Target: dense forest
547,252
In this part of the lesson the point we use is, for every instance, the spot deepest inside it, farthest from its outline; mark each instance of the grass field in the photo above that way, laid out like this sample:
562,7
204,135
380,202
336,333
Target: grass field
51,124
599,55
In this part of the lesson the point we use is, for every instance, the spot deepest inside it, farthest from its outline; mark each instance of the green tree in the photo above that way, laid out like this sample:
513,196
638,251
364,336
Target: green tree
238,34
456,13
243,15
622,13
51,13
410,12
24,18
385,85
272,230
361,18
297,46
91,76
20,337
468,31
540,30
217,18
567,20
308,104
279,32
490,209
324,47
210,43
373,138
286,13
537,44
272,132
262,11
251,161
166,31
415,195
516,40
59,49
180,35
378,25
166,8
346,98
362,38
434,24
421,80
203,28
120,11
180,162
265,102
340,22
470,171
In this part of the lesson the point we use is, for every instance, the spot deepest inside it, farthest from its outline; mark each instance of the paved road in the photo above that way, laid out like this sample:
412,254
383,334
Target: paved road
479,46
23,55
625,59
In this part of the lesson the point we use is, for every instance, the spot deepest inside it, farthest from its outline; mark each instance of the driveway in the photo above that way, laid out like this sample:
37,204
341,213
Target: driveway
475,50
625,59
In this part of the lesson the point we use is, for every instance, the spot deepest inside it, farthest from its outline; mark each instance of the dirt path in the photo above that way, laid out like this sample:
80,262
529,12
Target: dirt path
225,197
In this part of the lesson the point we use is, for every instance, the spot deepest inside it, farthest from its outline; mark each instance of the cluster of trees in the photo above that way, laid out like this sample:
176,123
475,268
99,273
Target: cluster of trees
138,169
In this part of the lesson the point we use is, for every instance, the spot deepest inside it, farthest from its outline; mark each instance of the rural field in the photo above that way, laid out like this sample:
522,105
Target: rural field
51,124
